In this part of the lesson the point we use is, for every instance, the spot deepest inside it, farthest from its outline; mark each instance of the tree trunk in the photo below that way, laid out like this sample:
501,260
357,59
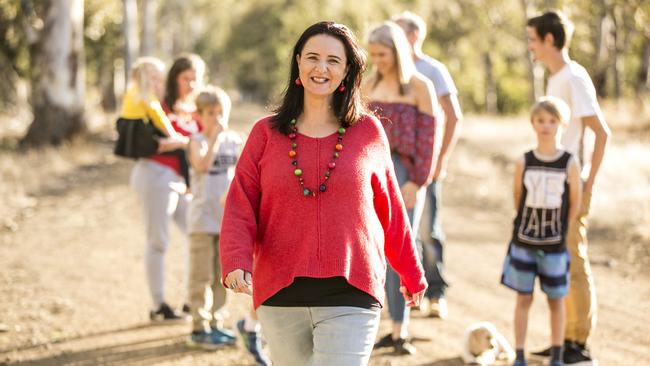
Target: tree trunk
149,15
490,85
601,40
641,84
130,29
107,85
59,81
616,50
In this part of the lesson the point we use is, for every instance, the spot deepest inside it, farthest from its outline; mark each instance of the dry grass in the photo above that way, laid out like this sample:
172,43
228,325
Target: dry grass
75,291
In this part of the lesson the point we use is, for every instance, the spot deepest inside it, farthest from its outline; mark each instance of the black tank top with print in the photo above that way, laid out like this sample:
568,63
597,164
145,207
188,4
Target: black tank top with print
542,217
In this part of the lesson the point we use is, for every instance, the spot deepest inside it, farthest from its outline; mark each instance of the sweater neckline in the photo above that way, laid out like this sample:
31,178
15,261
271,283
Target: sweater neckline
316,138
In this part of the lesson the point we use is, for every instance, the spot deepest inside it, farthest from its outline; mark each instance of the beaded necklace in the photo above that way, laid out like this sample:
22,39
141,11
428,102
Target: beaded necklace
330,166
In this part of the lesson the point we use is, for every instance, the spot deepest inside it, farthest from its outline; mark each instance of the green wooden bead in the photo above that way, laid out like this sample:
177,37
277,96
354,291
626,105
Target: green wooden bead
297,172
341,130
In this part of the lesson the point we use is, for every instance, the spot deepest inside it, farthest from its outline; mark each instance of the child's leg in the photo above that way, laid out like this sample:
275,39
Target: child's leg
200,278
218,291
558,318
521,318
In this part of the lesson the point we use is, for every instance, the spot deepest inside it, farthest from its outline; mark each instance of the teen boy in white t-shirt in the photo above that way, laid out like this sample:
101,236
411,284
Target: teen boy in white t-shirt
586,137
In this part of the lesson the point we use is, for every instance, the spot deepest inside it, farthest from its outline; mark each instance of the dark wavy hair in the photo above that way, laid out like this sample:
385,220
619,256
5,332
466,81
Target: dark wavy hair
347,105
555,23
181,63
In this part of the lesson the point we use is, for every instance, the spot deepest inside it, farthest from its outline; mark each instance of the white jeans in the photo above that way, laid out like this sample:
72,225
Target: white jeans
319,336
157,188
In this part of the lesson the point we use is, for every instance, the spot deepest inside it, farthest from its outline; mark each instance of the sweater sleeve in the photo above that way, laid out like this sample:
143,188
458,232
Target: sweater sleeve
240,220
399,246
425,129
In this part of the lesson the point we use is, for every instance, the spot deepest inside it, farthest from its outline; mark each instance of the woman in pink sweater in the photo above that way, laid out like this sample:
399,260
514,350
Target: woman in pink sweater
314,210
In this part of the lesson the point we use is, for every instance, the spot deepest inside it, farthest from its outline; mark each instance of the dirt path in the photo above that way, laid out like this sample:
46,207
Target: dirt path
73,291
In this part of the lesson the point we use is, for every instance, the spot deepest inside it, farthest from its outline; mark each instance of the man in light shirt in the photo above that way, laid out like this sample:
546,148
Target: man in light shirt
586,137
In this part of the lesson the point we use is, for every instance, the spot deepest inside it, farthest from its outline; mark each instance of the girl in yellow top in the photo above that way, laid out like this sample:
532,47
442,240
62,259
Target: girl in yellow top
141,100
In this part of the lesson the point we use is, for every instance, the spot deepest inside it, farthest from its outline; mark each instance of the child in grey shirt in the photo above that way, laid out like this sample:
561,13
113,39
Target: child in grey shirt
212,154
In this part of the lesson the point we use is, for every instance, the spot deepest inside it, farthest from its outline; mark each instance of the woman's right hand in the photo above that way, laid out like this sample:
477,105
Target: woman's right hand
240,281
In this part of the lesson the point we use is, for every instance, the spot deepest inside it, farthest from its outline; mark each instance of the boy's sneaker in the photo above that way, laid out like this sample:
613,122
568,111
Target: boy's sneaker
253,343
209,340
226,333
165,314
578,355
547,351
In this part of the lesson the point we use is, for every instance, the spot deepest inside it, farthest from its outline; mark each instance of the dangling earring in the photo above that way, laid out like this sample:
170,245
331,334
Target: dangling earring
298,82
342,87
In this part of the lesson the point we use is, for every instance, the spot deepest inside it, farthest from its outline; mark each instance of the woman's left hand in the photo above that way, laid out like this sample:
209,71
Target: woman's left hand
412,299
240,281
409,194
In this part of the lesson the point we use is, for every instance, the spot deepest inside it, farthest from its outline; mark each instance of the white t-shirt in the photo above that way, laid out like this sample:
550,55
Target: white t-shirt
436,71
573,85
205,211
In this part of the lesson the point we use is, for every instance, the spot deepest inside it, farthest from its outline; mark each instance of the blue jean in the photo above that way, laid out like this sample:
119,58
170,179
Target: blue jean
319,335
397,308
431,238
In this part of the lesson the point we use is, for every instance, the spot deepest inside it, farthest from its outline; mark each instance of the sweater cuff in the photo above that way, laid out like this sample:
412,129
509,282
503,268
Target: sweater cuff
415,284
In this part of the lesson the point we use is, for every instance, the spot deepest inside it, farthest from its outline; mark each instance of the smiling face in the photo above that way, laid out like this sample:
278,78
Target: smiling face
538,47
383,57
322,65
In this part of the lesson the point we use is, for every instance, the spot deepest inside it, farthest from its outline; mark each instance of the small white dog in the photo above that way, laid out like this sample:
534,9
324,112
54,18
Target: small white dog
484,345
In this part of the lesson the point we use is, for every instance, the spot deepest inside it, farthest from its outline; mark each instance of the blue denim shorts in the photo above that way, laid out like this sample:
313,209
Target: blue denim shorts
523,265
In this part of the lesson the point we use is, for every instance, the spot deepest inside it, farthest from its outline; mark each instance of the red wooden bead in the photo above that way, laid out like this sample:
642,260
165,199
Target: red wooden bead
331,165
292,135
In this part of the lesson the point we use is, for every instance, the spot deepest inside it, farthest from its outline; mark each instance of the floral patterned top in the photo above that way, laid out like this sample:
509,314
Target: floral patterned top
411,134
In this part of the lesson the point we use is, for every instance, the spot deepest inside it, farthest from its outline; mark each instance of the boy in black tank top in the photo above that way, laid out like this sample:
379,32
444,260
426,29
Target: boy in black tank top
547,195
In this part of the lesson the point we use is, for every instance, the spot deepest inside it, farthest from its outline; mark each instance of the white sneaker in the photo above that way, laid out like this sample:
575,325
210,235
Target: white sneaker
438,308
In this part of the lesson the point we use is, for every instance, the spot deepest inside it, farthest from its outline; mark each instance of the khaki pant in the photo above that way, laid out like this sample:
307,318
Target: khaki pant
581,300
207,295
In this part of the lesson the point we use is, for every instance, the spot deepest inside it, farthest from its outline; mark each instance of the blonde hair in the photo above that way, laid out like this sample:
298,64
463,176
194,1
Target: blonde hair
141,75
390,34
555,106
412,23
213,96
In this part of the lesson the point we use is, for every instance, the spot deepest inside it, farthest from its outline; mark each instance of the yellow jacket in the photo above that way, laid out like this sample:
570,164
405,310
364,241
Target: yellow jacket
133,107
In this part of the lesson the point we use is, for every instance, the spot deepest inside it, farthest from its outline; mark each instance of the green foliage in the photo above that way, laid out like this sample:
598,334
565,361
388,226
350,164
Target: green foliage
247,43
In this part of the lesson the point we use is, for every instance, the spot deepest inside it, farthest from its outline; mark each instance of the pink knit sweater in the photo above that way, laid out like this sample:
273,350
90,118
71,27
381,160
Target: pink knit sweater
271,230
